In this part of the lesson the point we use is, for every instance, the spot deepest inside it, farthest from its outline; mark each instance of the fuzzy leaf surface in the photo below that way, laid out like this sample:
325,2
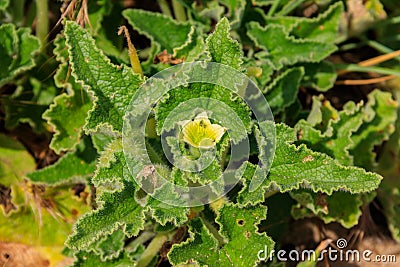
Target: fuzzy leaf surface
341,207
322,28
298,166
283,91
112,86
238,229
17,50
118,209
380,115
282,49
164,31
75,103
75,165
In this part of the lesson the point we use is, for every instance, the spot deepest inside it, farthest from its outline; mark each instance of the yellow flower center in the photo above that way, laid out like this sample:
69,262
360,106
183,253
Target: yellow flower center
201,133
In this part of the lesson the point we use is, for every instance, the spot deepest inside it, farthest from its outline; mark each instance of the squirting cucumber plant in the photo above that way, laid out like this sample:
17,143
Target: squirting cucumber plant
135,149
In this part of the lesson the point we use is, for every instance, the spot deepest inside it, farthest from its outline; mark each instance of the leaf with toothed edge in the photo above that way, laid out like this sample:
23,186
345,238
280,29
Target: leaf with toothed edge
172,35
76,165
17,50
235,244
298,166
111,86
117,209
282,49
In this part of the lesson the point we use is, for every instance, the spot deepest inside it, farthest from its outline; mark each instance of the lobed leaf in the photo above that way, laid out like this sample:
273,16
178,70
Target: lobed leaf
281,49
319,76
85,259
75,165
75,103
163,31
336,140
17,50
323,28
380,114
118,209
282,92
222,48
111,246
341,207
112,86
298,166
238,230
164,213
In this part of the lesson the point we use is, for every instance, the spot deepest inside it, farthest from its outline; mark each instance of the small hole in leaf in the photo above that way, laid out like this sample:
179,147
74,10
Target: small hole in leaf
6,255
240,222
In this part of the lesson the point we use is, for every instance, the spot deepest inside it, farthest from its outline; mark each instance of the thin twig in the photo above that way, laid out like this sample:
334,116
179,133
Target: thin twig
366,81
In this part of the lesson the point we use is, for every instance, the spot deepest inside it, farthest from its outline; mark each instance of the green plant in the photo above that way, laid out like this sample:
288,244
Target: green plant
323,159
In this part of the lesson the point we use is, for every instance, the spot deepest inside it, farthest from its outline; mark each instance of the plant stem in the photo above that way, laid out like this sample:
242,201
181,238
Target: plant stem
355,67
289,7
213,231
381,48
179,11
152,249
42,23
142,238
273,8
165,8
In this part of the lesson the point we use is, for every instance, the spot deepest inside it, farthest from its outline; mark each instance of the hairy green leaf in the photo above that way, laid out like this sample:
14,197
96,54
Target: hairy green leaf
17,50
323,28
282,92
163,31
380,113
75,165
112,86
282,49
75,103
85,259
111,246
164,213
222,48
319,76
341,207
336,141
238,232
118,209
298,166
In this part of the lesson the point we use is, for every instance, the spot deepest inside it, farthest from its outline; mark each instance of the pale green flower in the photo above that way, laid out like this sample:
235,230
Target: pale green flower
201,133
